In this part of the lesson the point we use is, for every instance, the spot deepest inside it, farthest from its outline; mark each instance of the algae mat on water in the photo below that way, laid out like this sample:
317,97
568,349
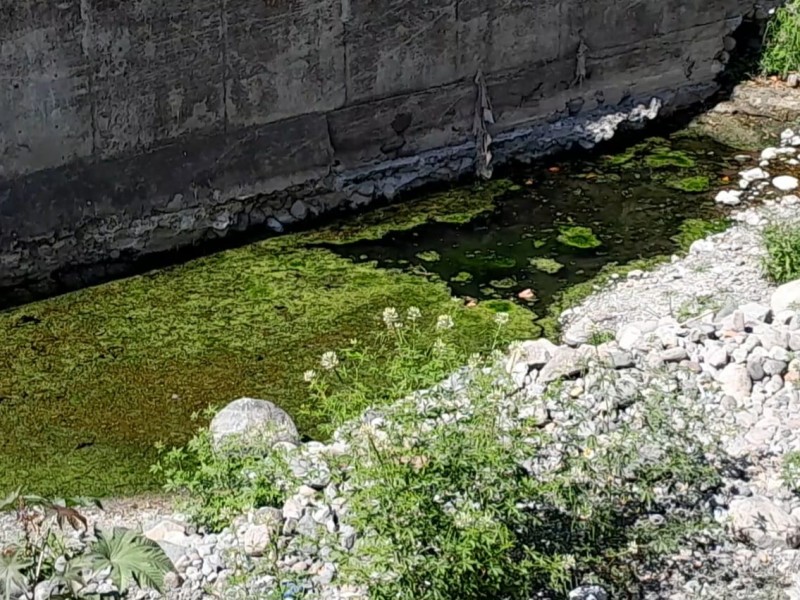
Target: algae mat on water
91,380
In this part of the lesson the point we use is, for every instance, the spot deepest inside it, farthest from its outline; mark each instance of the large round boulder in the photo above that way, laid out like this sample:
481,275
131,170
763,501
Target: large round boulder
253,423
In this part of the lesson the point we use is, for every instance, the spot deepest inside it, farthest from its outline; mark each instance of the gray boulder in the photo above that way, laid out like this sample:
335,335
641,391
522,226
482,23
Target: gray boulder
786,297
763,523
254,423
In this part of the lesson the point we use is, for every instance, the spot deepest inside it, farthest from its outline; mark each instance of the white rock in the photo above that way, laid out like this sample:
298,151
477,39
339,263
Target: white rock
755,174
762,522
701,246
536,353
579,332
769,153
754,312
252,421
256,539
786,297
566,362
790,200
729,197
735,381
168,531
717,357
785,183
292,508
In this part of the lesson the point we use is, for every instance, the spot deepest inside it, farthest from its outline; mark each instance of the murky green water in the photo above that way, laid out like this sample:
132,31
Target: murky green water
89,381
620,208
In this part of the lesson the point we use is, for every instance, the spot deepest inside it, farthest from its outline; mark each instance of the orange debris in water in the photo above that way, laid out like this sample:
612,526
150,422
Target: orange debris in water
554,169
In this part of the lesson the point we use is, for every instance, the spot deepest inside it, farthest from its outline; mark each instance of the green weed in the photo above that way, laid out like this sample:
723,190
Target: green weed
782,263
781,54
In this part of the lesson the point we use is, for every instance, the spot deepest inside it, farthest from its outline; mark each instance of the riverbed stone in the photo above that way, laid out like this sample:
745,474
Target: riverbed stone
786,297
729,197
735,381
785,183
253,423
762,522
537,353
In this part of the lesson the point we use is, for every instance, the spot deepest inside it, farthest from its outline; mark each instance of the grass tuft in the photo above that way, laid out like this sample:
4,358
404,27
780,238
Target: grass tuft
781,53
782,263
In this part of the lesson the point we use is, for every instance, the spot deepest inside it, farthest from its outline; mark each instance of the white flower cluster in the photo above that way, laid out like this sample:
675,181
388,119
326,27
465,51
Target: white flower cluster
391,319
329,361
501,318
444,322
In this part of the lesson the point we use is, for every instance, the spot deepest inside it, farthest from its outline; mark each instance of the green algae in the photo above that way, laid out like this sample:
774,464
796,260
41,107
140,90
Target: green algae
546,265
664,158
693,185
692,230
489,259
505,283
429,256
89,381
461,277
457,206
578,237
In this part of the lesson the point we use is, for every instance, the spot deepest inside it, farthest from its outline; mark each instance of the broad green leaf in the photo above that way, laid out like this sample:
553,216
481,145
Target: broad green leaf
131,557
12,571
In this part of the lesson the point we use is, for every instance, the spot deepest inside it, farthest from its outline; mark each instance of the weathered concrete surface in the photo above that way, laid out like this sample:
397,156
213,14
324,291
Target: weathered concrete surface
135,127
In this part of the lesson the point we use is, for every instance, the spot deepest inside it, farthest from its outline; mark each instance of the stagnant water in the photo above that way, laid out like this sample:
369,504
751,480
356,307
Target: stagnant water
89,381
622,207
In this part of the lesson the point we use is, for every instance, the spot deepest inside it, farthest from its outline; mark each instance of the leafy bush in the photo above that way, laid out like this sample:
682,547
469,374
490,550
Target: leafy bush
791,470
44,567
467,491
781,54
782,262
411,351
222,483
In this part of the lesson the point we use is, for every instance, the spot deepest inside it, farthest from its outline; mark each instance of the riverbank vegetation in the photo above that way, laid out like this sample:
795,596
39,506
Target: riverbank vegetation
456,492
781,54
91,380
782,262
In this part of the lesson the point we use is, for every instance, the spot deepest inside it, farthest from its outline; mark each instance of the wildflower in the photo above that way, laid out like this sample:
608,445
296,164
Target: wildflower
309,376
444,322
588,452
474,361
329,361
390,317
414,313
439,346
501,318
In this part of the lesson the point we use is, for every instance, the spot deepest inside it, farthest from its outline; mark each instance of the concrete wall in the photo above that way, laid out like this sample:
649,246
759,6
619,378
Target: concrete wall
138,126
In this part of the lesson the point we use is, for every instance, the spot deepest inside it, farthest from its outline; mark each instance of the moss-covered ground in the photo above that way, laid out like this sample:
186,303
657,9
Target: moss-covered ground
89,381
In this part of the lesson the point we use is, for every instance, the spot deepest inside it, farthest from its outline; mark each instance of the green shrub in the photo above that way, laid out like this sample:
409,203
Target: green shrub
791,470
781,54
454,495
600,336
782,262
411,351
218,484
